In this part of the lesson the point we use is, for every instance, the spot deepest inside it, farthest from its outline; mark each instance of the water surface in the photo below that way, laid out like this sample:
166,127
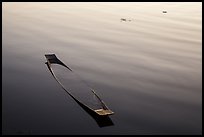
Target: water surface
147,70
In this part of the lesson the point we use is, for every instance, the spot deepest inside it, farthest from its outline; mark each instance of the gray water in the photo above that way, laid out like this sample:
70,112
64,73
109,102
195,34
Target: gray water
147,70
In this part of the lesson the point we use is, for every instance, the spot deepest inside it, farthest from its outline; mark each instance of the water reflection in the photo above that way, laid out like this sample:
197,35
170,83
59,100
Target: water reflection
102,121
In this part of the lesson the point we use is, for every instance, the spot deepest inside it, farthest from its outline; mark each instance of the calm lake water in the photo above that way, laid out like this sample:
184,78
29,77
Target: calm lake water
147,70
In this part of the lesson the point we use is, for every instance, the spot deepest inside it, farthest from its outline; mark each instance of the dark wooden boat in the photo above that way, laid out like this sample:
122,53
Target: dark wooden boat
75,87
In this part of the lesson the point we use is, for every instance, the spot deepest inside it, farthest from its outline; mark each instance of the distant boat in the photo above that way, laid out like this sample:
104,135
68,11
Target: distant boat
164,11
123,19
84,96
